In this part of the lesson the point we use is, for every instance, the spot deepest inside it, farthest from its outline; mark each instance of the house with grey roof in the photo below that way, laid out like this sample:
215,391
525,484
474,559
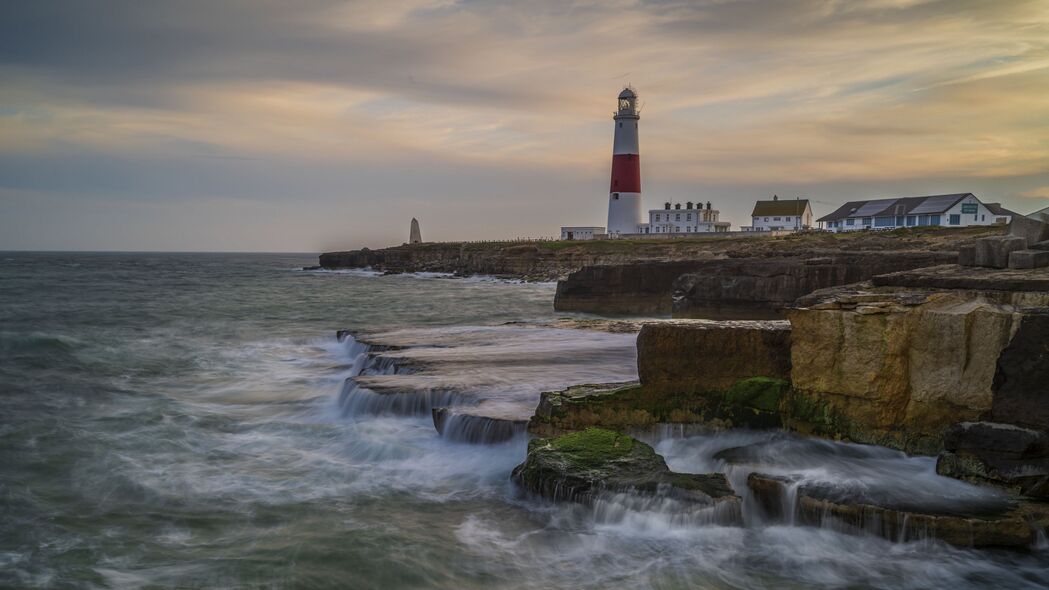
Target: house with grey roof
955,210
780,214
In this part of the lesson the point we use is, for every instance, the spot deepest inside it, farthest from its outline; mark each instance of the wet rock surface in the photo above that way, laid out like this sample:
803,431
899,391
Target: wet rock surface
581,466
1014,525
999,454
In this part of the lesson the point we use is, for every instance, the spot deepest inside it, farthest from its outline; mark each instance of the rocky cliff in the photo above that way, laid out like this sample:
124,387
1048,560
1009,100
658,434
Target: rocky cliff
898,365
556,260
728,288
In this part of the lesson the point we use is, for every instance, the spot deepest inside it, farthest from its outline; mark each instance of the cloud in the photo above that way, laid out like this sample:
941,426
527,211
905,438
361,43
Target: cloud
1041,192
433,104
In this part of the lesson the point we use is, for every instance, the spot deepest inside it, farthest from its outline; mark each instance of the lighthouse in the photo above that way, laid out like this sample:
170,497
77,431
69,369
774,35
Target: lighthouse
624,197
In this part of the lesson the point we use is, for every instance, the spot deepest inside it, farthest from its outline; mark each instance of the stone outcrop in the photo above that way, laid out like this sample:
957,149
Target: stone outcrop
625,288
725,288
898,366
1023,247
695,356
582,466
761,288
1021,378
1015,526
719,374
1005,455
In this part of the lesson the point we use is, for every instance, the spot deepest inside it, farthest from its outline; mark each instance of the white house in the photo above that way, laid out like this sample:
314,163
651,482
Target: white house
581,232
1040,214
780,215
691,219
957,210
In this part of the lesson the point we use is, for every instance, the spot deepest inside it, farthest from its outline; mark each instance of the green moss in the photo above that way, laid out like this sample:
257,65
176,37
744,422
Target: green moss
759,393
594,447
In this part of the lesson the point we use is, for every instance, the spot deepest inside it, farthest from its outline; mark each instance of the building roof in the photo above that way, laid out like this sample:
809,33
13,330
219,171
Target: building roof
903,206
997,209
777,207
1039,212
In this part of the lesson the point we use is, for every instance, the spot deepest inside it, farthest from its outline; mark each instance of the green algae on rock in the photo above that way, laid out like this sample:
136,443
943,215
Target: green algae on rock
582,466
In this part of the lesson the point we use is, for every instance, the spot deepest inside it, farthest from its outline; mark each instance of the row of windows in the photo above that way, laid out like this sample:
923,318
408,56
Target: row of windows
778,219
675,229
677,217
897,221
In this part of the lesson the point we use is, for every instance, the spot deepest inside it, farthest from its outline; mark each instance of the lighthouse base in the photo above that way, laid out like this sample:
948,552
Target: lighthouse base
624,213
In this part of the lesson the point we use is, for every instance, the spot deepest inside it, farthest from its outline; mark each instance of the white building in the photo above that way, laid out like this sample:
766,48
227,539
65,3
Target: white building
581,232
692,219
957,210
780,215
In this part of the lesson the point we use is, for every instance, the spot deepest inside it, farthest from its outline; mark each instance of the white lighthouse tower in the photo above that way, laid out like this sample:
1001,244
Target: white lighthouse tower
624,198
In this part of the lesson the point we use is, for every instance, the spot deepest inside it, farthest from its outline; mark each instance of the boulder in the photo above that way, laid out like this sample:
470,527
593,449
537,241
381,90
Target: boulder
967,255
783,498
697,356
583,466
1042,246
1029,259
994,252
1000,454
1032,230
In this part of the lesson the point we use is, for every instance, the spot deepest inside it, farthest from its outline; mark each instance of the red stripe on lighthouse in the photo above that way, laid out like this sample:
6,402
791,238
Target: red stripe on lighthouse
626,173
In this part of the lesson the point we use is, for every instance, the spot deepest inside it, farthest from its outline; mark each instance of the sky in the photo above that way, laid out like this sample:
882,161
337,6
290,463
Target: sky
255,125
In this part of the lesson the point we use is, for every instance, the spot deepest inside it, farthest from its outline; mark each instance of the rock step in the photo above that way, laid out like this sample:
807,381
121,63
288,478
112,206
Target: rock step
471,427
782,499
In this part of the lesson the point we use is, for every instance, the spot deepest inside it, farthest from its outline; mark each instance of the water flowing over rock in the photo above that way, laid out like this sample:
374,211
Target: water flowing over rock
480,384
589,465
782,498
472,426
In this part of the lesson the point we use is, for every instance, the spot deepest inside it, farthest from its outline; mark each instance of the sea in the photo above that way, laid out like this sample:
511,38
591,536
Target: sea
189,421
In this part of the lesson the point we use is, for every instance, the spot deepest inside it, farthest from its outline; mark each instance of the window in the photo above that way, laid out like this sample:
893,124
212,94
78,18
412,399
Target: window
911,220
934,220
983,218
955,219
786,219
775,219
866,221
615,196
677,217
899,220
883,221
688,217
923,220
620,126
850,222
766,219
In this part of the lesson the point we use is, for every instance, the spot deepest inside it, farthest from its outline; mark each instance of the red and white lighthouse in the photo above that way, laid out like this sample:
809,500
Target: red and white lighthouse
624,198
